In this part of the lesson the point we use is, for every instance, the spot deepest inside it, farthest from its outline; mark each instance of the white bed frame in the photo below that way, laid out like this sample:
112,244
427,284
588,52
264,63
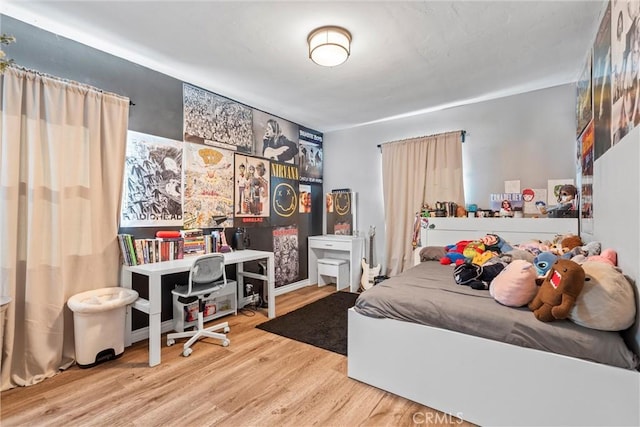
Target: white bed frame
488,382
483,381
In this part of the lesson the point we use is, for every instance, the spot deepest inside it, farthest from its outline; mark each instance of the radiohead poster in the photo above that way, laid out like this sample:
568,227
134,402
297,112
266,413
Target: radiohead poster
152,195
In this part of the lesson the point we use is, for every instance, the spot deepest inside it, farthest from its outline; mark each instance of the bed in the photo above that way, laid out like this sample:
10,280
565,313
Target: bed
513,372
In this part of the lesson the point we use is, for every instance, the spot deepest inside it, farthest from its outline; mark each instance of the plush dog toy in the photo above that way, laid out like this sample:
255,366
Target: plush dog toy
559,291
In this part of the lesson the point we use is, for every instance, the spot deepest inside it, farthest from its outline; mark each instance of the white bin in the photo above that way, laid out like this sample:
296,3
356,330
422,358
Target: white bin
99,322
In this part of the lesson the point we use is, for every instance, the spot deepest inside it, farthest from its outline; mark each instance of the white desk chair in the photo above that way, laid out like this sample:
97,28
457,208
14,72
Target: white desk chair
204,280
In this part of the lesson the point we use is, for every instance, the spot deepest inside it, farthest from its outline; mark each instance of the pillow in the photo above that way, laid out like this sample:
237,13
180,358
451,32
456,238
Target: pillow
517,254
515,286
607,301
432,253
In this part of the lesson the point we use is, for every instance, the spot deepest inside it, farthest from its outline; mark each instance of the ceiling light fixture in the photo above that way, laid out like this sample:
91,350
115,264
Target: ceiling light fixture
329,46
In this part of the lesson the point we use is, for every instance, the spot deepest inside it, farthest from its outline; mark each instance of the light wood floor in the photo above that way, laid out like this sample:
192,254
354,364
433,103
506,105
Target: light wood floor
261,379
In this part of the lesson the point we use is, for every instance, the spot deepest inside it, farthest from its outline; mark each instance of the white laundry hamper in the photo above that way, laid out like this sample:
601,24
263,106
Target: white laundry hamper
99,322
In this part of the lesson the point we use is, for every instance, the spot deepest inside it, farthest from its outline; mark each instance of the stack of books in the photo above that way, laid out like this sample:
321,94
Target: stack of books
194,241
170,248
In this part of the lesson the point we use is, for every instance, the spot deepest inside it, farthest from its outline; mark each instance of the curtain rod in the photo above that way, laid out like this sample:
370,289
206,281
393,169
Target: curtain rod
463,134
85,86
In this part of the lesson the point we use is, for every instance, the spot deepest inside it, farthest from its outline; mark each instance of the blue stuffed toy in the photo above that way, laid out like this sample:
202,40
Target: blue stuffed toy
543,262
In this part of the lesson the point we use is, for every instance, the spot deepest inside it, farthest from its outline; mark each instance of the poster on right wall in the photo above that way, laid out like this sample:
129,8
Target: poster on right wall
586,143
341,212
602,85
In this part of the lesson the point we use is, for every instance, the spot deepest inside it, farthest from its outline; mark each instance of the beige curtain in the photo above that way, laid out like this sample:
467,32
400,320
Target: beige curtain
62,148
416,171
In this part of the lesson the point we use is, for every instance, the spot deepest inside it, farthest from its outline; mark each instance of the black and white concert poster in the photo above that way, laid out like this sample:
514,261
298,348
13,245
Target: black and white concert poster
285,246
275,138
310,155
152,194
215,120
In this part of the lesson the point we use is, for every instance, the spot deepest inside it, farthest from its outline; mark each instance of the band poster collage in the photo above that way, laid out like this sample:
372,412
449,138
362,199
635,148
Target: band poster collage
235,162
608,95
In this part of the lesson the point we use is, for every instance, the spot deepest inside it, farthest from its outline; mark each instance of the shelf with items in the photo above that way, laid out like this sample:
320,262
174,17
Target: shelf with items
219,304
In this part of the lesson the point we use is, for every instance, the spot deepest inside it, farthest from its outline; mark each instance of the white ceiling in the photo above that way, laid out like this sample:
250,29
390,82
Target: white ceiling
407,56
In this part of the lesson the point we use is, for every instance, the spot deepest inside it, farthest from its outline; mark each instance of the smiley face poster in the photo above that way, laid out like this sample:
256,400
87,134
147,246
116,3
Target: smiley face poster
284,194
341,212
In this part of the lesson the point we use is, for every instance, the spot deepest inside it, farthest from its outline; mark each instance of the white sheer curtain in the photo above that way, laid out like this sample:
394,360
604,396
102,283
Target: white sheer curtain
416,171
62,148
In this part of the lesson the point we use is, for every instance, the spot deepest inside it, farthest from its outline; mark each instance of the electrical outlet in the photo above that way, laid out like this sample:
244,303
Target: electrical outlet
248,289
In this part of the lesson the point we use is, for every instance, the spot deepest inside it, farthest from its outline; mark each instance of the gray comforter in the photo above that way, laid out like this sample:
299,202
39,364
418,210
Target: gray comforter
427,294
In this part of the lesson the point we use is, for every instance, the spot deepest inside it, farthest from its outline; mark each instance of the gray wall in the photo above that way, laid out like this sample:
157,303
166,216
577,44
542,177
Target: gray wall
530,137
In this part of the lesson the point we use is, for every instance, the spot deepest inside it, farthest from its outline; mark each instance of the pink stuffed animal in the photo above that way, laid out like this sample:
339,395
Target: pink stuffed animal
608,256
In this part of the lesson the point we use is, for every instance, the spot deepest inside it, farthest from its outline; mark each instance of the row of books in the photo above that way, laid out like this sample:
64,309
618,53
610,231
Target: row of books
190,242
145,251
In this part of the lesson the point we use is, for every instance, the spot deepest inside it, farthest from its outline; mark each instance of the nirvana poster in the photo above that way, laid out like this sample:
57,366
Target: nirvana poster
208,186
284,194
214,120
285,244
252,188
310,155
152,195
341,213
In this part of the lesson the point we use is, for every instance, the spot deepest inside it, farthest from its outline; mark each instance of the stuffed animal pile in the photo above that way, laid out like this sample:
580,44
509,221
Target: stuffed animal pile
563,279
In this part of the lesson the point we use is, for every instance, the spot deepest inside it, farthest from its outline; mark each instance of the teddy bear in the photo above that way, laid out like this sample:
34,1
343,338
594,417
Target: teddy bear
570,241
559,291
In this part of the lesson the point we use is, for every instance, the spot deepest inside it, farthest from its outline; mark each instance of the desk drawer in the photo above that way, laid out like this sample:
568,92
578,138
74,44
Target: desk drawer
329,244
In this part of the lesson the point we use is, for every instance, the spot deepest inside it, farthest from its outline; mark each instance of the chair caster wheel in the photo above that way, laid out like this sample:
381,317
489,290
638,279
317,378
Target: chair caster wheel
226,330
187,351
170,342
225,343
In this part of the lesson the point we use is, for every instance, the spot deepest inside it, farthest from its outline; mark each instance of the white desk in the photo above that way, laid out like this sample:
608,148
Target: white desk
155,271
335,246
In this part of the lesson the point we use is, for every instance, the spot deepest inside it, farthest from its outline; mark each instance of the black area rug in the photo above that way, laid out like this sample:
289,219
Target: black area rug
322,323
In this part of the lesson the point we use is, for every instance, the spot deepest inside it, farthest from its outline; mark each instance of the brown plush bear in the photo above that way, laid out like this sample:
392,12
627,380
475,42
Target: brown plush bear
559,291
571,241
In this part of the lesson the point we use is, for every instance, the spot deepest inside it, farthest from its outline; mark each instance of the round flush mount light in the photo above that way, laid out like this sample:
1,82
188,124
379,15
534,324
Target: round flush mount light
329,46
